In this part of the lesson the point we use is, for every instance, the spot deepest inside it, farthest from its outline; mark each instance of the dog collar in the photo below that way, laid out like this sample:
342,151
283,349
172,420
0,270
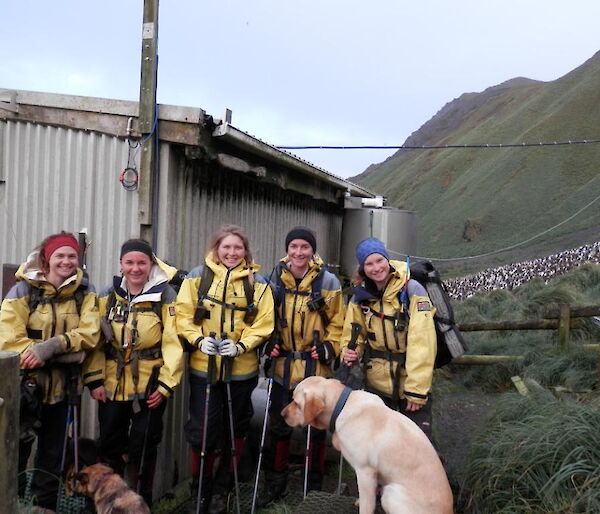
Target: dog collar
339,407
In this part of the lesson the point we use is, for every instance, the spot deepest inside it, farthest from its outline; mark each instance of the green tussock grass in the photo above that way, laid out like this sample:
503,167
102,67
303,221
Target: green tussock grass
543,360
536,455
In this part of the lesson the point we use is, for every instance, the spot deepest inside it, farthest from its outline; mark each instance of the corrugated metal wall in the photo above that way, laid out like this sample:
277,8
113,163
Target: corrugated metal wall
54,179
62,179
202,198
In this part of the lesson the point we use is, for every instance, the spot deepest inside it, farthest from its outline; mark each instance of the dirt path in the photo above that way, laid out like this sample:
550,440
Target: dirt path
458,418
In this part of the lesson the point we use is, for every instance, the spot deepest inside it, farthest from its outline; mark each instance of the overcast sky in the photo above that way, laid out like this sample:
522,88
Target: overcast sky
301,72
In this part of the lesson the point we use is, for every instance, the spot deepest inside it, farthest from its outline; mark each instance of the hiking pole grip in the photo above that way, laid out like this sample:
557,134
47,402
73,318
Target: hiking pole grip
150,388
356,328
211,372
343,371
227,363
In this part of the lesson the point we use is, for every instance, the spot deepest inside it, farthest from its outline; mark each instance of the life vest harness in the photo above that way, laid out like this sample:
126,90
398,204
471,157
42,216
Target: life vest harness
316,302
289,357
37,297
206,281
128,355
131,359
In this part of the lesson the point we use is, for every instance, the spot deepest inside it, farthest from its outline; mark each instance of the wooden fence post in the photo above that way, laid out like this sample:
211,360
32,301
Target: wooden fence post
564,325
9,430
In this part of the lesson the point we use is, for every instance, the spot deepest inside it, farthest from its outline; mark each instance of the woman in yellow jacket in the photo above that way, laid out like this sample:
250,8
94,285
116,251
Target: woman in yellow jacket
226,319
310,314
392,319
138,364
50,317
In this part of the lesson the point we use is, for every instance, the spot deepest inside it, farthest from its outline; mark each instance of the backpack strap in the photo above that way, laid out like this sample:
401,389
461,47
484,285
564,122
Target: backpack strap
206,280
36,296
316,303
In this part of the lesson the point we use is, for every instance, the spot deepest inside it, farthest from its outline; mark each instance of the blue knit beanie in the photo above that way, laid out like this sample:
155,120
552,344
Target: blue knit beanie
367,247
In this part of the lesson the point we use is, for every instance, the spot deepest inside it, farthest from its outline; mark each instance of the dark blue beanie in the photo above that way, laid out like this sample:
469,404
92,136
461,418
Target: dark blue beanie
367,247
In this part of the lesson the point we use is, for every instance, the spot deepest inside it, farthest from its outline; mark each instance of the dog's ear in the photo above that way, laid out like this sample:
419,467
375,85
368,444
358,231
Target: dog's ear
313,406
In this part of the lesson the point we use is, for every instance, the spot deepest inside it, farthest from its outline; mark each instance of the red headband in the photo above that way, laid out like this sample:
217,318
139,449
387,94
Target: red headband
57,241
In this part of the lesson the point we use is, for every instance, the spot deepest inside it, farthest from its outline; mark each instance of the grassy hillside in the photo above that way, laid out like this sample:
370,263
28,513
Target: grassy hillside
471,201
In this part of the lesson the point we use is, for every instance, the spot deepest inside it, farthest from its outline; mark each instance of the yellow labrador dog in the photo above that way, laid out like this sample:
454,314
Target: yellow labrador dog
383,446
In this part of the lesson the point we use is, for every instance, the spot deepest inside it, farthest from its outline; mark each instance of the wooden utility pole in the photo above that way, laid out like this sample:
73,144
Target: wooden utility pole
9,430
148,121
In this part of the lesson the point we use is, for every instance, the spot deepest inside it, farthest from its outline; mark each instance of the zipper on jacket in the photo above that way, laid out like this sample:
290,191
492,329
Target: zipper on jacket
224,300
292,330
383,327
54,319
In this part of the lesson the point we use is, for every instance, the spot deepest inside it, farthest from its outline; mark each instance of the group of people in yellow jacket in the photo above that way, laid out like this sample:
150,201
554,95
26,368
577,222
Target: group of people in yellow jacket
130,341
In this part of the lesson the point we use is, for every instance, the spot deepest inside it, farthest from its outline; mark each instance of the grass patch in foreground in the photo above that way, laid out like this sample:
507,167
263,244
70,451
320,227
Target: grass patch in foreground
536,455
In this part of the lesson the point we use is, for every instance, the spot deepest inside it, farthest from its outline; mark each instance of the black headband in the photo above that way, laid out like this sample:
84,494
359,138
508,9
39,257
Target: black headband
137,245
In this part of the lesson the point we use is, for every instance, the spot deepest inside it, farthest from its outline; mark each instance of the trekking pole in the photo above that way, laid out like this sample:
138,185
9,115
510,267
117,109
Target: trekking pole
263,435
66,439
71,375
227,370
150,388
211,375
315,343
343,375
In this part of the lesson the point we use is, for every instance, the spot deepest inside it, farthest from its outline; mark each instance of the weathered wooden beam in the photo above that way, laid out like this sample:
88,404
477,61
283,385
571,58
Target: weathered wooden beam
564,325
235,163
532,324
576,312
486,359
148,121
9,429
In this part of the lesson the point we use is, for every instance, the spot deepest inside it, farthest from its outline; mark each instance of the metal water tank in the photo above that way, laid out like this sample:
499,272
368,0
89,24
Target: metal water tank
395,227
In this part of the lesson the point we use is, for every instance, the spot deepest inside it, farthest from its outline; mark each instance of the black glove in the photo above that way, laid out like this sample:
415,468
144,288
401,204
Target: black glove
326,352
269,347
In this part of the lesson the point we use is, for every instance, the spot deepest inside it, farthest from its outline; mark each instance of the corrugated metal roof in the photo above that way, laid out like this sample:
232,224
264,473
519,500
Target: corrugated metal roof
167,113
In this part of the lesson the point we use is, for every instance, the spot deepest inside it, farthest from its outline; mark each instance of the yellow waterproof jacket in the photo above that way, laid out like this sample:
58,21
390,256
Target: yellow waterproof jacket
387,328
226,292
144,336
297,321
56,314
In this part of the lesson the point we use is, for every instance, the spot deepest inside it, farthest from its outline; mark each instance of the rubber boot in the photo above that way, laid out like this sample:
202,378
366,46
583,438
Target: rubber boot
147,480
316,465
224,481
275,488
206,483
276,475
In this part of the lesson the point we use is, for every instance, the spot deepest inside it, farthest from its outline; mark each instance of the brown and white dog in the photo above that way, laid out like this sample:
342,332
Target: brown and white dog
383,446
110,492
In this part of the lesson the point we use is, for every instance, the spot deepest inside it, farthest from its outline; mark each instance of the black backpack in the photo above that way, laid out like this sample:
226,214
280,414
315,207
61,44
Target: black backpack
450,342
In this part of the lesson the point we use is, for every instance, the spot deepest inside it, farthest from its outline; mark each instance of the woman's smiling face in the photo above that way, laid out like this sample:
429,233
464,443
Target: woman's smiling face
377,268
136,267
231,251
